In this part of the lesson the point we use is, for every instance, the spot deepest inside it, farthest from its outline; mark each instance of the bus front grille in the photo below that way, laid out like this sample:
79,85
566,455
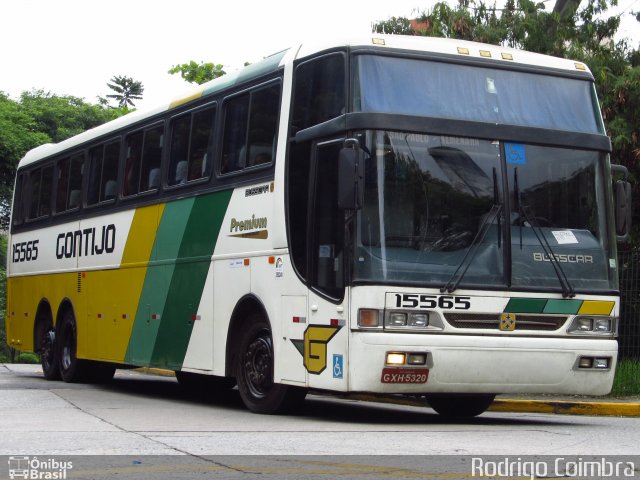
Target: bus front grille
491,321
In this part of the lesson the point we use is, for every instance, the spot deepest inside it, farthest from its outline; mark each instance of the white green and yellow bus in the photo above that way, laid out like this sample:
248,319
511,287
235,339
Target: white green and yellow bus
388,214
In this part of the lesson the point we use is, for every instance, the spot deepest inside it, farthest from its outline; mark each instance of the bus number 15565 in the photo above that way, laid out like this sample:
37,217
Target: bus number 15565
445,302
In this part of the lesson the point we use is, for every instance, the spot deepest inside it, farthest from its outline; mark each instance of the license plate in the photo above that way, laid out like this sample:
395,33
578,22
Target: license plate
404,375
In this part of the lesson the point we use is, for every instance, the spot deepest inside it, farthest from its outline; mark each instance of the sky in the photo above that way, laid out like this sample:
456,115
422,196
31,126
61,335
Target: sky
73,47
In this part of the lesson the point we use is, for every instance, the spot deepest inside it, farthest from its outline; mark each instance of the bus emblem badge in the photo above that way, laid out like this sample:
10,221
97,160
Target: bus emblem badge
508,322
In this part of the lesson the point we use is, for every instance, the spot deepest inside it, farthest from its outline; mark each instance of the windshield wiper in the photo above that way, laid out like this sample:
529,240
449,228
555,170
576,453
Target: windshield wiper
494,213
523,212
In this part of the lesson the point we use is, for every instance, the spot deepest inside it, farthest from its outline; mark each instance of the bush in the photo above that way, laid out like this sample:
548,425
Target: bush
28,357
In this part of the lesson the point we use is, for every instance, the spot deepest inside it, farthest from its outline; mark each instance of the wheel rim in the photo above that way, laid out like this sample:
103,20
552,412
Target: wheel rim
257,366
67,349
47,350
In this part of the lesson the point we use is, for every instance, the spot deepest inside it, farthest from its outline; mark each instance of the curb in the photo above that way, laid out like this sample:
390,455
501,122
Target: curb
613,409
559,407
156,371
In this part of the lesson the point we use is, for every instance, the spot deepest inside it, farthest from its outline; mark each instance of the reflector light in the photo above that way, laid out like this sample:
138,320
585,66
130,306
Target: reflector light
368,318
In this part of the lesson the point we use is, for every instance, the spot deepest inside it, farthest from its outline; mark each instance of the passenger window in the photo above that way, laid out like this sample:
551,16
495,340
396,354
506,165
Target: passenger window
191,138
250,129
142,163
19,200
41,181
103,173
319,91
69,186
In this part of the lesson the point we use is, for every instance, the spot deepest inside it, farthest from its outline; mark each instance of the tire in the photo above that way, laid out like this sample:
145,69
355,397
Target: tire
460,405
49,355
254,372
72,370
204,384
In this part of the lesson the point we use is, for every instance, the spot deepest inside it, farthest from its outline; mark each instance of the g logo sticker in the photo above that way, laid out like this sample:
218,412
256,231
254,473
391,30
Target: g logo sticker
313,347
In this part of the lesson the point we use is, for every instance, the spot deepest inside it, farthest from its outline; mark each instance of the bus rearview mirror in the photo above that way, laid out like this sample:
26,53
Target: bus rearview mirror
350,177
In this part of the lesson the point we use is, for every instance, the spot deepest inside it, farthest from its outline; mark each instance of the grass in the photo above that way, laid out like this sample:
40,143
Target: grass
627,379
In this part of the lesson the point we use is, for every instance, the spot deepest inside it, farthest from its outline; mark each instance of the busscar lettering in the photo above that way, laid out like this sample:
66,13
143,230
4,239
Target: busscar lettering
563,258
86,243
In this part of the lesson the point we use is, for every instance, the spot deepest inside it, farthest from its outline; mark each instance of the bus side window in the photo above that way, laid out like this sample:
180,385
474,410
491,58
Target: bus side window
250,129
234,143
319,91
151,156
103,173
191,140
19,199
69,183
41,190
263,125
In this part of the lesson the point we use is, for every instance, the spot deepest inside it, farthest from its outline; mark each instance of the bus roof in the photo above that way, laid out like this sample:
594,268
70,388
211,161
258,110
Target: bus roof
445,46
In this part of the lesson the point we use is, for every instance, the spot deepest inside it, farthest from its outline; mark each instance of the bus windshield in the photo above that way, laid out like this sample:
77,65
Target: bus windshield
473,93
436,207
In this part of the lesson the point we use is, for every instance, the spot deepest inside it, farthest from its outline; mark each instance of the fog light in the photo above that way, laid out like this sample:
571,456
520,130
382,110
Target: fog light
418,320
395,358
585,362
602,325
584,324
397,319
416,359
600,363
368,318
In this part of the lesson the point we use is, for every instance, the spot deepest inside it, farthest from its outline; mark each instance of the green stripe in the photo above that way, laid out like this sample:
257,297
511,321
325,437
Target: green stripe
543,305
570,307
525,305
188,279
157,280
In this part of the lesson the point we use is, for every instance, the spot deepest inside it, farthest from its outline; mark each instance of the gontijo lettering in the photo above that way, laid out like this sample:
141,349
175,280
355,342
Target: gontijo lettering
87,242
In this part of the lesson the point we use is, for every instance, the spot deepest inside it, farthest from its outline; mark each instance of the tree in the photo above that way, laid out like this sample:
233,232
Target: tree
198,73
127,90
40,117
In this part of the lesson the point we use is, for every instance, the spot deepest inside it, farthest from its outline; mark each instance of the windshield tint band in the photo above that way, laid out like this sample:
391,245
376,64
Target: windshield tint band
439,126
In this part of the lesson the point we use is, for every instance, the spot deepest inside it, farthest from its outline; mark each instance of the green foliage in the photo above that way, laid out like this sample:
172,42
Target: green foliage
127,90
198,73
40,117
627,379
5,353
27,357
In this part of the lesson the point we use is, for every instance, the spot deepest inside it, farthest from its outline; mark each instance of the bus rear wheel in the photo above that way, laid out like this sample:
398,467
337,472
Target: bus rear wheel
460,405
71,369
254,372
48,355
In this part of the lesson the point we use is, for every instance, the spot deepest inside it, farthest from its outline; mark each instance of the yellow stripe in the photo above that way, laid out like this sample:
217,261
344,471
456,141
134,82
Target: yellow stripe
596,307
114,294
181,101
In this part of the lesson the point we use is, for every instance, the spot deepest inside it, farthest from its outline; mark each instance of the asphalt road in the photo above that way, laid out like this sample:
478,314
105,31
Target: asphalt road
148,421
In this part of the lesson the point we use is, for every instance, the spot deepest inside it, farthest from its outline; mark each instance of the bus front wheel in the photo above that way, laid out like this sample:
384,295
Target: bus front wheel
460,405
254,372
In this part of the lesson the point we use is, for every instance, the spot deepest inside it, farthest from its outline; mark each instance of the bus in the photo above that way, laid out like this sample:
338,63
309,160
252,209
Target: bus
385,214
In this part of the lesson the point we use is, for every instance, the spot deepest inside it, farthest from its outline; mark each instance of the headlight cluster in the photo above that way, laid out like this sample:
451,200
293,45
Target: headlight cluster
593,325
400,320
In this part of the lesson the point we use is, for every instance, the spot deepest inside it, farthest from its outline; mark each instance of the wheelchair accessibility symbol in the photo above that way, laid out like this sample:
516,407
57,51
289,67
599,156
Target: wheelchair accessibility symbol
337,366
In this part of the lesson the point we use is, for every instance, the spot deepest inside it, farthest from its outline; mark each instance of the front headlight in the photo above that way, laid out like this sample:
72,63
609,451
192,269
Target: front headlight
592,325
